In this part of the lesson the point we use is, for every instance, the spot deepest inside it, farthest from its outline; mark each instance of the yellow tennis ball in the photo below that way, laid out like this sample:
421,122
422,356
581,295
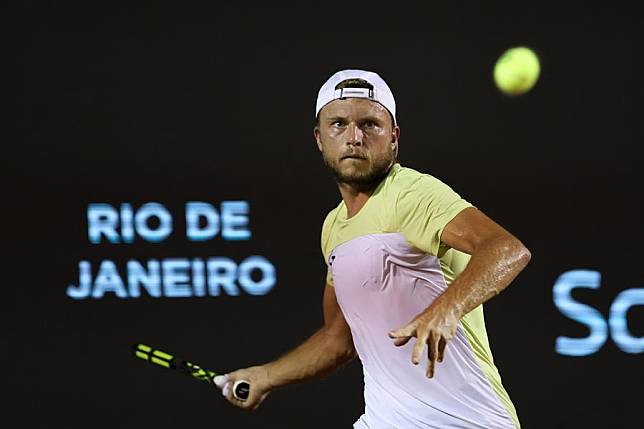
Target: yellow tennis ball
517,70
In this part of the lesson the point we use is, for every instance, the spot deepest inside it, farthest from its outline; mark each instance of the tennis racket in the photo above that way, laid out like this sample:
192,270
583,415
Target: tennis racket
241,388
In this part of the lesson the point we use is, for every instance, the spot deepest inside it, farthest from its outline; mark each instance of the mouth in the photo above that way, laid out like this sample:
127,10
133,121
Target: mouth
352,157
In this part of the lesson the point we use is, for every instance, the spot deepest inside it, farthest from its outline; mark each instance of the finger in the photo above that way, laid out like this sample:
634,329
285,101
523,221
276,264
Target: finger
421,342
441,349
430,369
258,402
237,402
432,351
231,398
401,341
405,331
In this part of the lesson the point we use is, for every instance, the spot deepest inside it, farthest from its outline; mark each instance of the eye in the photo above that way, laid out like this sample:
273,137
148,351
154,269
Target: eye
369,124
337,123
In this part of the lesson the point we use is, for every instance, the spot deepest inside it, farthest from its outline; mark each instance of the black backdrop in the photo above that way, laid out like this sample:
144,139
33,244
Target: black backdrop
128,103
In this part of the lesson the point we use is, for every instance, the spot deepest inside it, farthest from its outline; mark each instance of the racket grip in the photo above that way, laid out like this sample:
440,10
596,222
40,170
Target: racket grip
241,389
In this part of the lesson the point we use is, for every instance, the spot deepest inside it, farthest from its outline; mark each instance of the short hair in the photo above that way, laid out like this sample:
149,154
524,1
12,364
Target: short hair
356,83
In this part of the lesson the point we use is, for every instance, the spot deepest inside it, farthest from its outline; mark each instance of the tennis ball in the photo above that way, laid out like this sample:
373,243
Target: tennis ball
517,70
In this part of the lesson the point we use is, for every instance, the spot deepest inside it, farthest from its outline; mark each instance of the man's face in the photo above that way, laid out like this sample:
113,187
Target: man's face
357,140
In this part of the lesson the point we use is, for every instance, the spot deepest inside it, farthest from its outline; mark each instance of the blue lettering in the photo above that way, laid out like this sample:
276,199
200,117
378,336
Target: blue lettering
222,273
194,212
147,211
127,230
150,279
176,279
84,282
108,280
618,321
102,219
267,281
581,313
198,280
234,219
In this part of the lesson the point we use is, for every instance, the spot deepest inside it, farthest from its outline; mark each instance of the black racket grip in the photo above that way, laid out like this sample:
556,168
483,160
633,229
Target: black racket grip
241,389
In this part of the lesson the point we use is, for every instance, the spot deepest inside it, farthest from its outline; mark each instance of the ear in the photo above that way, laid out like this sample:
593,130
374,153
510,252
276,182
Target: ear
316,134
395,136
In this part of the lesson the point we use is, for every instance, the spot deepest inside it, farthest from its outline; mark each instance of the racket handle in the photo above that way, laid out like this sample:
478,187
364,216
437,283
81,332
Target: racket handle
241,389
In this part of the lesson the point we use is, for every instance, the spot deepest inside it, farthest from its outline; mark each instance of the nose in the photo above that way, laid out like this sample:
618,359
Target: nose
355,135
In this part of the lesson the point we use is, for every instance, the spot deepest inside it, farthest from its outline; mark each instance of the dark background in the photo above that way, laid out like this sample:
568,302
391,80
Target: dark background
174,103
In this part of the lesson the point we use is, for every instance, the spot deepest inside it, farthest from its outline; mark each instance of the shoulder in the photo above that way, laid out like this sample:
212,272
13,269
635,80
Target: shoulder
410,184
329,221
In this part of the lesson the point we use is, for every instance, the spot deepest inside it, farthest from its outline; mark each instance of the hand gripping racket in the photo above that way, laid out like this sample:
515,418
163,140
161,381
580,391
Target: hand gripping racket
241,388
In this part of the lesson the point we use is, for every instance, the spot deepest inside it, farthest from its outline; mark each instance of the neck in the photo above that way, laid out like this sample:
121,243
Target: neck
355,196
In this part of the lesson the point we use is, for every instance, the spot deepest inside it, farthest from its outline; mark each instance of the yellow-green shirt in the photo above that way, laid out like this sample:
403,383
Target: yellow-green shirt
387,264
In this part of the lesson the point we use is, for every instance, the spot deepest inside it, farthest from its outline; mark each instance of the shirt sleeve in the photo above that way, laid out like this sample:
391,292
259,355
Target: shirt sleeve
424,209
329,277
324,240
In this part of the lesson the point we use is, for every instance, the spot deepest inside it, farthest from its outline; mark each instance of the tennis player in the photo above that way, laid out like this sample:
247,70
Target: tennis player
410,264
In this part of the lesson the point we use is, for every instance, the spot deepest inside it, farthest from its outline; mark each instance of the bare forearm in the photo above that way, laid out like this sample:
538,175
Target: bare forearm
492,267
321,354
497,258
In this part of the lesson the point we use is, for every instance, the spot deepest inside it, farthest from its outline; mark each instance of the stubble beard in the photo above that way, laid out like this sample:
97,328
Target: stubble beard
364,179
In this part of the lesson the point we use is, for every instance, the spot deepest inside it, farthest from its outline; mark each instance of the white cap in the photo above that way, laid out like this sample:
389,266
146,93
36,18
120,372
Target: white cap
380,92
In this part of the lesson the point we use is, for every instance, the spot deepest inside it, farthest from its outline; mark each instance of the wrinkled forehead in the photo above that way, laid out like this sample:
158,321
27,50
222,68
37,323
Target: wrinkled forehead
354,107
